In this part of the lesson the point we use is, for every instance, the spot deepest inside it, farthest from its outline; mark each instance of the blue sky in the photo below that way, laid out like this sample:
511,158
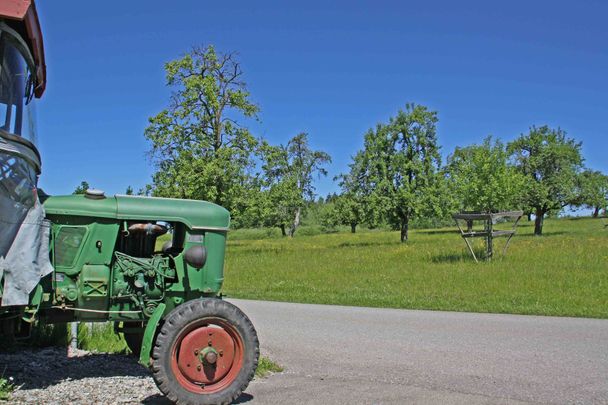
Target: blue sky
332,69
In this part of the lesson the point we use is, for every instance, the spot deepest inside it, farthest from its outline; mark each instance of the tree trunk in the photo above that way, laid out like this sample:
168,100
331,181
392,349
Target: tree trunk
283,232
538,222
596,212
405,226
353,228
296,223
469,226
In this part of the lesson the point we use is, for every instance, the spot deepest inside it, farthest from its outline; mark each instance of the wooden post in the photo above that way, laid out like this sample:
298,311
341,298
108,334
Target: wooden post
489,239
74,333
73,344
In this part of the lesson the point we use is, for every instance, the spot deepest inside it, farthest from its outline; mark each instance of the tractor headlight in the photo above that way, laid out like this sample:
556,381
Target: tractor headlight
196,256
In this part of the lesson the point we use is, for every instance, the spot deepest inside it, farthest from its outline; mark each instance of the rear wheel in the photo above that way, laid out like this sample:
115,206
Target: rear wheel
206,353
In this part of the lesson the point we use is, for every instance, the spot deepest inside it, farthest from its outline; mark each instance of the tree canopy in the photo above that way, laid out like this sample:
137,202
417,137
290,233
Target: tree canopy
550,162
288,175
592,191
482,179
401,166
81,188
199,147
350,207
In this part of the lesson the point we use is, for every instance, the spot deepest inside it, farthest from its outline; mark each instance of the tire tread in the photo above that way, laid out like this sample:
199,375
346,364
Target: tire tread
180,317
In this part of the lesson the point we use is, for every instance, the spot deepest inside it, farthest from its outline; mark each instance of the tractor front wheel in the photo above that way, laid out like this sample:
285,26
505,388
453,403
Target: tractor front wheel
205,353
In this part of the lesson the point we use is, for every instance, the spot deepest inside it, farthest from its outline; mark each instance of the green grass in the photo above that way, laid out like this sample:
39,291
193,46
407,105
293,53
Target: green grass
266,367
563,273
6,389
94,337
100,337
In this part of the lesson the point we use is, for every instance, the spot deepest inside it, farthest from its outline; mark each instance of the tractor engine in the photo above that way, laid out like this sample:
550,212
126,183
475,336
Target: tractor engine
140,275
134,278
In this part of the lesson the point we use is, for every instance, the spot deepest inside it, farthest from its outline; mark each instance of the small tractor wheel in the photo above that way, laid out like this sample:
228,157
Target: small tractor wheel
205,353
134,341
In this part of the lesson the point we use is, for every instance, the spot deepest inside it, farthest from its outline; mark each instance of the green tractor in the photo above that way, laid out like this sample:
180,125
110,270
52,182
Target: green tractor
94,258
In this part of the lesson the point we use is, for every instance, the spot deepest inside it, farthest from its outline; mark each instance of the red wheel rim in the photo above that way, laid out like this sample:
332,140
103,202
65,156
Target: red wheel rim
207,355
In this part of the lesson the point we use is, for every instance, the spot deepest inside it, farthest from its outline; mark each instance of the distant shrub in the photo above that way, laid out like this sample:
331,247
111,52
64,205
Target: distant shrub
310,230
254,233
431,222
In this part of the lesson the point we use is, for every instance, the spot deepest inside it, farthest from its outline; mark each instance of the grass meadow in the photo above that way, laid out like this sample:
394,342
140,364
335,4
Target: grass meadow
562,273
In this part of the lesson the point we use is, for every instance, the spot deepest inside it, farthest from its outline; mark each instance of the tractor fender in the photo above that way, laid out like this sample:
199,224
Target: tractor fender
148,340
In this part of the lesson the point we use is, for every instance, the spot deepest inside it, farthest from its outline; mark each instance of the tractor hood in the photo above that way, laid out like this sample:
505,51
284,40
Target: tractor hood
194,214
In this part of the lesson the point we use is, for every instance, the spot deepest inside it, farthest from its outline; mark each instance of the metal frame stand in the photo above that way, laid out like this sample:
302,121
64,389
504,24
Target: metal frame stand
489,219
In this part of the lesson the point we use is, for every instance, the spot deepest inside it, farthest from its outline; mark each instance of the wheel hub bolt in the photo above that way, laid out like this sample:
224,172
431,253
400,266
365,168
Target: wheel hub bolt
211,357
208,355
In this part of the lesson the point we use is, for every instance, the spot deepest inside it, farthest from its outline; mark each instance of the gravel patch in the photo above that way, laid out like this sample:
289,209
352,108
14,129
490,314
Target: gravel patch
49,376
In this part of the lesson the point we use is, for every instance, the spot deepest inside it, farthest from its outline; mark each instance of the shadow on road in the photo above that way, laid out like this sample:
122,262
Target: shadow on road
158,399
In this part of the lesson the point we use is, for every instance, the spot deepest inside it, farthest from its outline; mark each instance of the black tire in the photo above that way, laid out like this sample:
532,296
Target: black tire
182,322
133,341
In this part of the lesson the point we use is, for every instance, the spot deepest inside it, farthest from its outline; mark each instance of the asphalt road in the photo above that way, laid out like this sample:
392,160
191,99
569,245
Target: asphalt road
351,355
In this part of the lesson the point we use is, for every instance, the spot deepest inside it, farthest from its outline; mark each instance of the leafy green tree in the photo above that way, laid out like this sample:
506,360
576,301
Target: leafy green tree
343,210
145,191
350,210
129,190
401,167
350,207
331,197
289,172
482,179
199,148
305,164
550,163
328,216
279,194
82,188
592,191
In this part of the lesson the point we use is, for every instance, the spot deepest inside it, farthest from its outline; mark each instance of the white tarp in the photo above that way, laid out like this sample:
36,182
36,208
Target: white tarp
27,260
24,233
